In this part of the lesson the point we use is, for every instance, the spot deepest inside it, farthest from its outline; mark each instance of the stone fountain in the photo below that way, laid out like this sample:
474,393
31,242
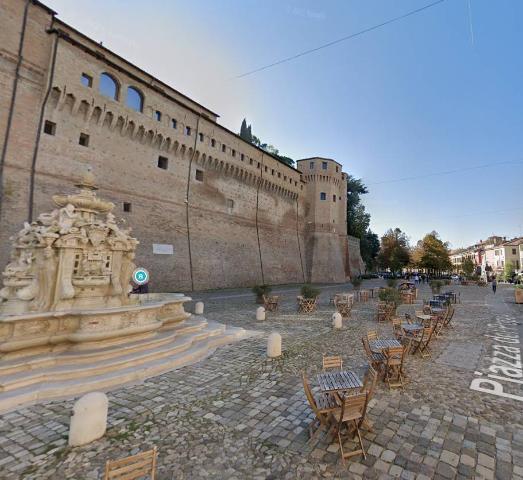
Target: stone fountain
68,323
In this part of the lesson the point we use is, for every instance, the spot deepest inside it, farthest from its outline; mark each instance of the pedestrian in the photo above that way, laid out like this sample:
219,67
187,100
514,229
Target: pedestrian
494,285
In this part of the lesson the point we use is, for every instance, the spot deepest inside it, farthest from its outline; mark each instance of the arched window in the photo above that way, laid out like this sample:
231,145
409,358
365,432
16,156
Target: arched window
134,99
109,86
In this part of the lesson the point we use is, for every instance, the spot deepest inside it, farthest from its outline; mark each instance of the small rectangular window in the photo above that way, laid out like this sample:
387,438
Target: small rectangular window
49,127
337,169
199,175
242,157
259,165
87,80
323,196
266,168
158,115
311,165
233,153
324,165
126,207
251,161
201,137
230,205
213,142
272,171
163,162
334,198
279,175
174,123
224,147
84,140
188,131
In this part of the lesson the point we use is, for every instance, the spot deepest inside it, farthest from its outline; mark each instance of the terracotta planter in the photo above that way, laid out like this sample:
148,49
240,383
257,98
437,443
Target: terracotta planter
518,293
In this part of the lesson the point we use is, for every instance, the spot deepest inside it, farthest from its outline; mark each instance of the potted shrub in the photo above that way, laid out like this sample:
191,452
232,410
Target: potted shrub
435,286
308,291
518,293
356,282
260,291
391,296
391,282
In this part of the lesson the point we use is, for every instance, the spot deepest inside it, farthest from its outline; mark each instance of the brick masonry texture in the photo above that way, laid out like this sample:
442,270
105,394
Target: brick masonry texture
252,219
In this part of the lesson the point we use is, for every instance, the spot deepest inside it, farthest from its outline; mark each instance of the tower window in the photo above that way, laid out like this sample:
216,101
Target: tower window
251,161
188,131
323,196
158,116
87,80
84,140
201,137
199,175
233,153
174,123
126,207
49,127
334,198
242,157
324,165
311,165
230,205
163,162
213,142
224,147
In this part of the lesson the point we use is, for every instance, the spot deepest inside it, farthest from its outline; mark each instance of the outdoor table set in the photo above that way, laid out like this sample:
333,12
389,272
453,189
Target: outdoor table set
338,382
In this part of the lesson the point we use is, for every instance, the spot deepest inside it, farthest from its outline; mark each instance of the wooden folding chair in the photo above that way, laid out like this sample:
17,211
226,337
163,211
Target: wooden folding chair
421,342
450,315
369,384
270,303
397,331
333,361
394,357
372,335
375,359
350,417
322,406
307,305
133,467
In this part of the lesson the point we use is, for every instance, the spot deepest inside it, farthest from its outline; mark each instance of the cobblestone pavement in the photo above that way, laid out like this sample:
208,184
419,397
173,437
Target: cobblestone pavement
236,415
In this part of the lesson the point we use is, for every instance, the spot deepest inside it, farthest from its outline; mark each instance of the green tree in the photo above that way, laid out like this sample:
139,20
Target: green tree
394,250
435,255
247,135
369,248
508,271
467,267
358,219
245,131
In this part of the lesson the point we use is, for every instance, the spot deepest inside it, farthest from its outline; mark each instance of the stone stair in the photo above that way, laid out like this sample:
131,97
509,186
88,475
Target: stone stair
74,372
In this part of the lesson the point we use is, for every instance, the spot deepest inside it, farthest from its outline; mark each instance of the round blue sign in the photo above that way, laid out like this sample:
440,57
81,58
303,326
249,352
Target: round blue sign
140,276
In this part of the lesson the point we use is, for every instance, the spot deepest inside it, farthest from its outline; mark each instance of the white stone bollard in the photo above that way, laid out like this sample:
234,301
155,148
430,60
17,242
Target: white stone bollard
274,345
89,419
260,313
337,320
198,308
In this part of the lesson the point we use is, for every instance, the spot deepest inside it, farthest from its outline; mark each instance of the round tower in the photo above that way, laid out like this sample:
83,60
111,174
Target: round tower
326,219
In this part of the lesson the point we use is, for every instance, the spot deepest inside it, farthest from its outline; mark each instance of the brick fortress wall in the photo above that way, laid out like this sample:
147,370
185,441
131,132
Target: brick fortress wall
233,214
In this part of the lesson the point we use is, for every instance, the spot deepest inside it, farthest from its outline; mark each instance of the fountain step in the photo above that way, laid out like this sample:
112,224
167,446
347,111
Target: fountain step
62,382
69,357
68,369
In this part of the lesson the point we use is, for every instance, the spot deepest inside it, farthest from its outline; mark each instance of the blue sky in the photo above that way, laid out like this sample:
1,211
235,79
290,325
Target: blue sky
414,98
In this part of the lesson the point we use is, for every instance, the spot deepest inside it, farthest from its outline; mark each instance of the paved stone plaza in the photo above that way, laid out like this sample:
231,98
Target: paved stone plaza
236,415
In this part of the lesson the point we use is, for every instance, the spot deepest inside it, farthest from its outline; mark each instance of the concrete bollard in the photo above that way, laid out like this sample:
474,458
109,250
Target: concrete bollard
198,308
274,345
89,419
260,313
337,320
